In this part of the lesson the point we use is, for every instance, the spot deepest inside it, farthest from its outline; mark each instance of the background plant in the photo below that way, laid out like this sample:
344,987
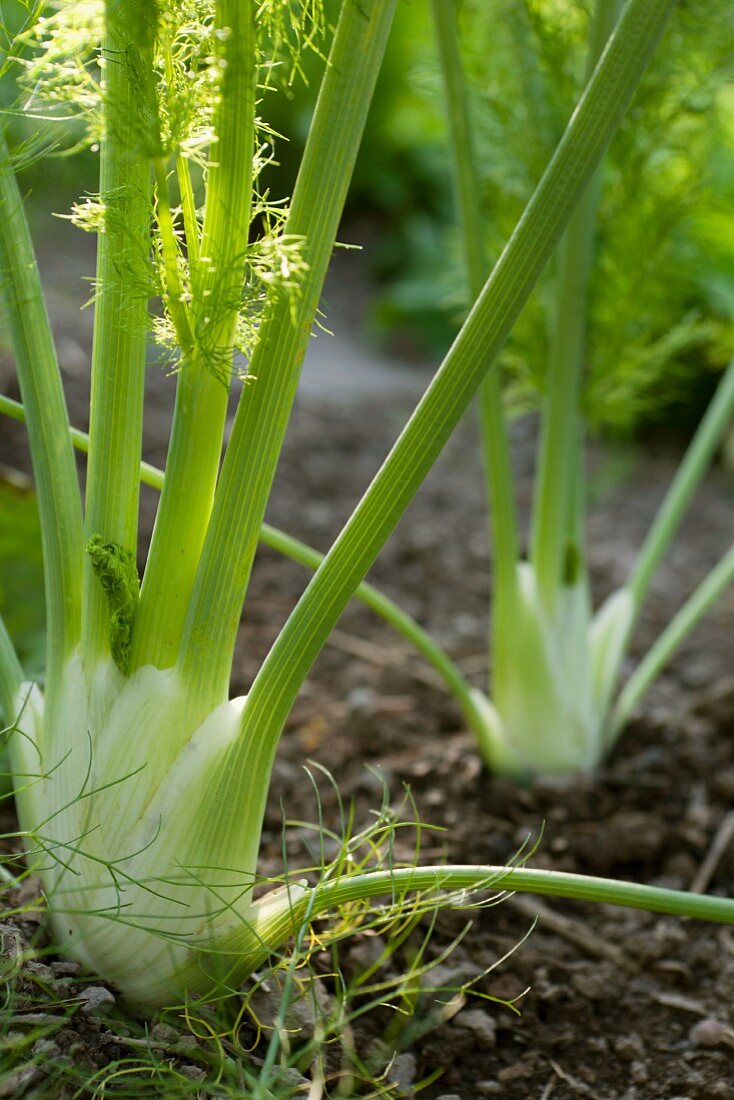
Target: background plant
555,663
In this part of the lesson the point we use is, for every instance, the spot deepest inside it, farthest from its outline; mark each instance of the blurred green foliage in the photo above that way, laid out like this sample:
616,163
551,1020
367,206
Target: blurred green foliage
33,136
662,295
399,206
662,301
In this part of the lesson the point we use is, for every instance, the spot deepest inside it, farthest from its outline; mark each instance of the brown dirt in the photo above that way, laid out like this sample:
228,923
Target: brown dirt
613,1004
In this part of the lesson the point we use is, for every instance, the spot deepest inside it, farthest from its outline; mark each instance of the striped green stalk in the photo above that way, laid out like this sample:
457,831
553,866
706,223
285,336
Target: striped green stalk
48,423
677,630
217,274
264,407
493,428
11,677
555,529
122,289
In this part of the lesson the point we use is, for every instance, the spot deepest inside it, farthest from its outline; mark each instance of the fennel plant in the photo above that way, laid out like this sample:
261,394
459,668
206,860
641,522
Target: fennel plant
140,786
554,704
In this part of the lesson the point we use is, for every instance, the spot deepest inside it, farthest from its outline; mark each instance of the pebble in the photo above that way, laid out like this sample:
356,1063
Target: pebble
65,968
630,1047
40,971
194,1073
164,1034
708,1033
481,1025
45,1047
402,1071
309,1004
11,941
96,1000
365,951
448,979
292,1078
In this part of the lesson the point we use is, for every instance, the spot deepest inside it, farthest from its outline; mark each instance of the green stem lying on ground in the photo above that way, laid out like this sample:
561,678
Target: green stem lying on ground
654,899
279,921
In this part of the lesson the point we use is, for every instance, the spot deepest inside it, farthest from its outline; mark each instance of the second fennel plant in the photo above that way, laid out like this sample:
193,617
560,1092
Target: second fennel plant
140,786
554,704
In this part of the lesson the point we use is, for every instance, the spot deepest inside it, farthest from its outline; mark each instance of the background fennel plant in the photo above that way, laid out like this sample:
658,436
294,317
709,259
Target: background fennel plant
555,663
140,786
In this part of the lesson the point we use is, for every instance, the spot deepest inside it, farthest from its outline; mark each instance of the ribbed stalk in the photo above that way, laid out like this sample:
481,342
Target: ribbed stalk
284,916
493,428
707,438
555,519
48,423
677,630
11,677
508,288
121,316
203,384
265,404
525,880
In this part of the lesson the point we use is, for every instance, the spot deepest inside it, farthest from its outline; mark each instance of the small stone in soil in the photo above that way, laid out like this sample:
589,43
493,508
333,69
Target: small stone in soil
481,1025
96,1000
630,1047
40,971
402,1071
366,951
194,1073
45,1048
708,1033
65,968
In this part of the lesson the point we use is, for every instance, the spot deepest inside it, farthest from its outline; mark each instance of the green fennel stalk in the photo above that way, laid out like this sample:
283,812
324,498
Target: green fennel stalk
121,315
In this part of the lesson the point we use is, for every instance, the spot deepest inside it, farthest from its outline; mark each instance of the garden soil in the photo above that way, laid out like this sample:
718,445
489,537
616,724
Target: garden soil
605,1003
